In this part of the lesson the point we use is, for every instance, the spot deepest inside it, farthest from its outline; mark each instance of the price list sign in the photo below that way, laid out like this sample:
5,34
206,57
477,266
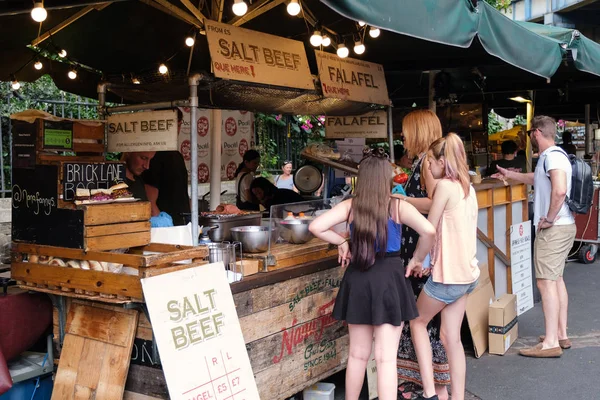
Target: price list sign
198,334
520,257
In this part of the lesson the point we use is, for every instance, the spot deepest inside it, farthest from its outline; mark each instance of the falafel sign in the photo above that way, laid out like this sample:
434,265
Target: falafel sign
352,79
245,55
143,131
370,125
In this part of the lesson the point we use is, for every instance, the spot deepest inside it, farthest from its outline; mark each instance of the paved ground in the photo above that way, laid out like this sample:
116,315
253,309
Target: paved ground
576,375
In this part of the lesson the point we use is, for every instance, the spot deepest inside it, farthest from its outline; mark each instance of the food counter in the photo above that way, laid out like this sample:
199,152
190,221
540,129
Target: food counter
501,205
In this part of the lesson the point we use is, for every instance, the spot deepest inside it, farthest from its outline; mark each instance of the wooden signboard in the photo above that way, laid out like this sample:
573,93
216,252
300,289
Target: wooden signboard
198,334
250,56
351,79
90,176
371,125
143,131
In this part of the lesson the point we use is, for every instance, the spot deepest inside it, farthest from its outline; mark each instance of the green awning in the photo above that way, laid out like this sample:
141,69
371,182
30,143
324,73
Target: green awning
586,52
457,23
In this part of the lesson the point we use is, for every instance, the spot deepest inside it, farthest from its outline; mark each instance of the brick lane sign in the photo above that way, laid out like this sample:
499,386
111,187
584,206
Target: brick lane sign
250,56
352,79
143,131
199,337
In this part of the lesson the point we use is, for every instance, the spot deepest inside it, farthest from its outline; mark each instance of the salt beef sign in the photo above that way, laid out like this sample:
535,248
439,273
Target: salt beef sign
143,131
351,79
370,125
245,55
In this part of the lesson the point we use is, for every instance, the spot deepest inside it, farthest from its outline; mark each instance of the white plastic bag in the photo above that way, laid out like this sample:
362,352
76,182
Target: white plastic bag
181,235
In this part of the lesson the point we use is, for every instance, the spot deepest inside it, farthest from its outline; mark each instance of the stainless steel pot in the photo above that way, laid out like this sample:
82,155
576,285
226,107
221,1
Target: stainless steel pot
295,231
254,239
224,223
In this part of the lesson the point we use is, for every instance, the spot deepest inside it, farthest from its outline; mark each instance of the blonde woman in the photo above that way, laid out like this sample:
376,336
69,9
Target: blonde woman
454,269
420,129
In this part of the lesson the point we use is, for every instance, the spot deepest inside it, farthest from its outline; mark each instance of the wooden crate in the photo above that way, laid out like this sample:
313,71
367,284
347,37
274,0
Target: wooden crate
99,285
88,143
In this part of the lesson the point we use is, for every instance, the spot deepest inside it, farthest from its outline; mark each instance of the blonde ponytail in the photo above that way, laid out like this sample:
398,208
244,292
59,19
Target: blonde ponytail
451,147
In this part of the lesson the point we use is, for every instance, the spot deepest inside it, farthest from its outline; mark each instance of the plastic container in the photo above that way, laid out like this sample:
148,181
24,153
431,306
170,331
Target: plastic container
319,391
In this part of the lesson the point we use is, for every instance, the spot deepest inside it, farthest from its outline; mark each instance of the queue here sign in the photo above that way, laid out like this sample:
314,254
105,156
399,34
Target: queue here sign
352,79
250,56
199,337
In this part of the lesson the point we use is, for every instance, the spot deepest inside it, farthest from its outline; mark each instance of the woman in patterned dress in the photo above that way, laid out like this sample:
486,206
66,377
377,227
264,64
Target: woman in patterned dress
420,129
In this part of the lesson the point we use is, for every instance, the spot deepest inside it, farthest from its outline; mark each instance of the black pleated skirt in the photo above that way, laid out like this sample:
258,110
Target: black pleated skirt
379,295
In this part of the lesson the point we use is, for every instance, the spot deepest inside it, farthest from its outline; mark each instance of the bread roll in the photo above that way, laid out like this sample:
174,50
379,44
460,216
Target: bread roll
57,262
96,266
45,259
73,264
84,264
121,185
33,258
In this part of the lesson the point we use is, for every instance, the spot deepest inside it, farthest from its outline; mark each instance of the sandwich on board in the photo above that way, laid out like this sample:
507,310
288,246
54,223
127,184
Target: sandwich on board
117,192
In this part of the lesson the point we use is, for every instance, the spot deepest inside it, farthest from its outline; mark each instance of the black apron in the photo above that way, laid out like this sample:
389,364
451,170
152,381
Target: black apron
244,205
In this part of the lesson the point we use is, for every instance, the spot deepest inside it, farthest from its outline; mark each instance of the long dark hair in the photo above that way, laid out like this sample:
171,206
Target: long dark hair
370,209
248,156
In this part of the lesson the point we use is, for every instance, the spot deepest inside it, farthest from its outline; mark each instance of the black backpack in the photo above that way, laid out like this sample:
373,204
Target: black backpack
580,197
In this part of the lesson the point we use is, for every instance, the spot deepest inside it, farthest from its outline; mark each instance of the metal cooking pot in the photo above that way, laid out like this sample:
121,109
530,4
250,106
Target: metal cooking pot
254,239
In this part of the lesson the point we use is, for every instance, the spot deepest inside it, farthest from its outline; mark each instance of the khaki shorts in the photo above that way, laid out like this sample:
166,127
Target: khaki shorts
550,250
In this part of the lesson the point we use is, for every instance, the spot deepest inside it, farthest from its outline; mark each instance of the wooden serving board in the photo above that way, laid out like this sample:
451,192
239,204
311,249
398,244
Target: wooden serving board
287,255
95,356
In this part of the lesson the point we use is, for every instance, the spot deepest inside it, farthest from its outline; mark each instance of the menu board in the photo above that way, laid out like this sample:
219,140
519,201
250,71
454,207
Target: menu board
198,333
90,176
24,144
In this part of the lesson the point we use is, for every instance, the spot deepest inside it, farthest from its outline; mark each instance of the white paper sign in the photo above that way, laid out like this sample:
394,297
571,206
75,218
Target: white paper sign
198,334
353,147
520,256
142,131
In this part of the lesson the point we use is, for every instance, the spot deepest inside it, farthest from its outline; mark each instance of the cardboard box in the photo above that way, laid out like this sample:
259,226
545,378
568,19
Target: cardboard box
248,267
503,326
478,303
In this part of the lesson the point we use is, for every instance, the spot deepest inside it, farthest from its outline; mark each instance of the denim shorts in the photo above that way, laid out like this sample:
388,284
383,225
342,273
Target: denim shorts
447,294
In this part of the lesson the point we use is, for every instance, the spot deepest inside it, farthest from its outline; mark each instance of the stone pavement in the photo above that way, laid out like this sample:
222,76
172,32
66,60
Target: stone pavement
576,375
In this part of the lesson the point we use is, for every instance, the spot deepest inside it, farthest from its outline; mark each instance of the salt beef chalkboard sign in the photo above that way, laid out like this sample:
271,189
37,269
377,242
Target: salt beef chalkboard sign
36,217
90,176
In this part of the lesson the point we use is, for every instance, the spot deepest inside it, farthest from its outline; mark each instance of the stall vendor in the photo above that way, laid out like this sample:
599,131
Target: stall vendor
135,164
270,195
509,160
244,175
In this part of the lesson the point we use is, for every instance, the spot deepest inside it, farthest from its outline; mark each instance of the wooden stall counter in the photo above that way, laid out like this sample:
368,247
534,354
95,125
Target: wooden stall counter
502,204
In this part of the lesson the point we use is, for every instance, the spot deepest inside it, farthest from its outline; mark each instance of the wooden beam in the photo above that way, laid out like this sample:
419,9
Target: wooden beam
490,245
197,13
173,11
68,22
256,10
220,15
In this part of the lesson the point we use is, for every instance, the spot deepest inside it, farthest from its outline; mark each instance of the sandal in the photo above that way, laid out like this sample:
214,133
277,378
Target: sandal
407,391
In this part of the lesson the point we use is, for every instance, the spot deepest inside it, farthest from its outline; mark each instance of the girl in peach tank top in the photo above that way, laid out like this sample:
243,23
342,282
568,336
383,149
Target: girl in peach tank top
454,270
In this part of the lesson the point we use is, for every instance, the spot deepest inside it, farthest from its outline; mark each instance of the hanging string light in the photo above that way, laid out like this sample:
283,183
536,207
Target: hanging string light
62,53
361,23
342,51
316,39
239,7
293,8
38,65
72,74
326,41
39,13
189,41
374,32
162,68
135,81
15,84
359,47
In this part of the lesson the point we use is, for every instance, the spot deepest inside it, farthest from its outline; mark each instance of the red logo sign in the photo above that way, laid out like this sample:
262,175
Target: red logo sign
203,173
230,126
243,112
186,110
230,170
186,150
203,126
243,147
521,230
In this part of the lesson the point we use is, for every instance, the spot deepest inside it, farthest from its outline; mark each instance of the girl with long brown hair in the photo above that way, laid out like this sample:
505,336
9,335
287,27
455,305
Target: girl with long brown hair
374,298
420,128
454,269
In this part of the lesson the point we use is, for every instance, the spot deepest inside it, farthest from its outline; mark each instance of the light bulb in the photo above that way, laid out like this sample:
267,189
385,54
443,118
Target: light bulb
62,53
316,39
135,81
38,65
374,32
39,13
293,8
361,23
342,51
189,41
162,68
239,7
16,85
72,74
326,41
359,48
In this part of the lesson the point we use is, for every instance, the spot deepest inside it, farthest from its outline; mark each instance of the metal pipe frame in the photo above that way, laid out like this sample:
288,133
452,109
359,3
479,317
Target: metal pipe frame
147,106
391,134
63,7
193,103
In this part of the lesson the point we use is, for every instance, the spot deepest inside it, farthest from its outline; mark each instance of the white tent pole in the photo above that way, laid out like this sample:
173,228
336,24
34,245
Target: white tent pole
215,159
194,79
